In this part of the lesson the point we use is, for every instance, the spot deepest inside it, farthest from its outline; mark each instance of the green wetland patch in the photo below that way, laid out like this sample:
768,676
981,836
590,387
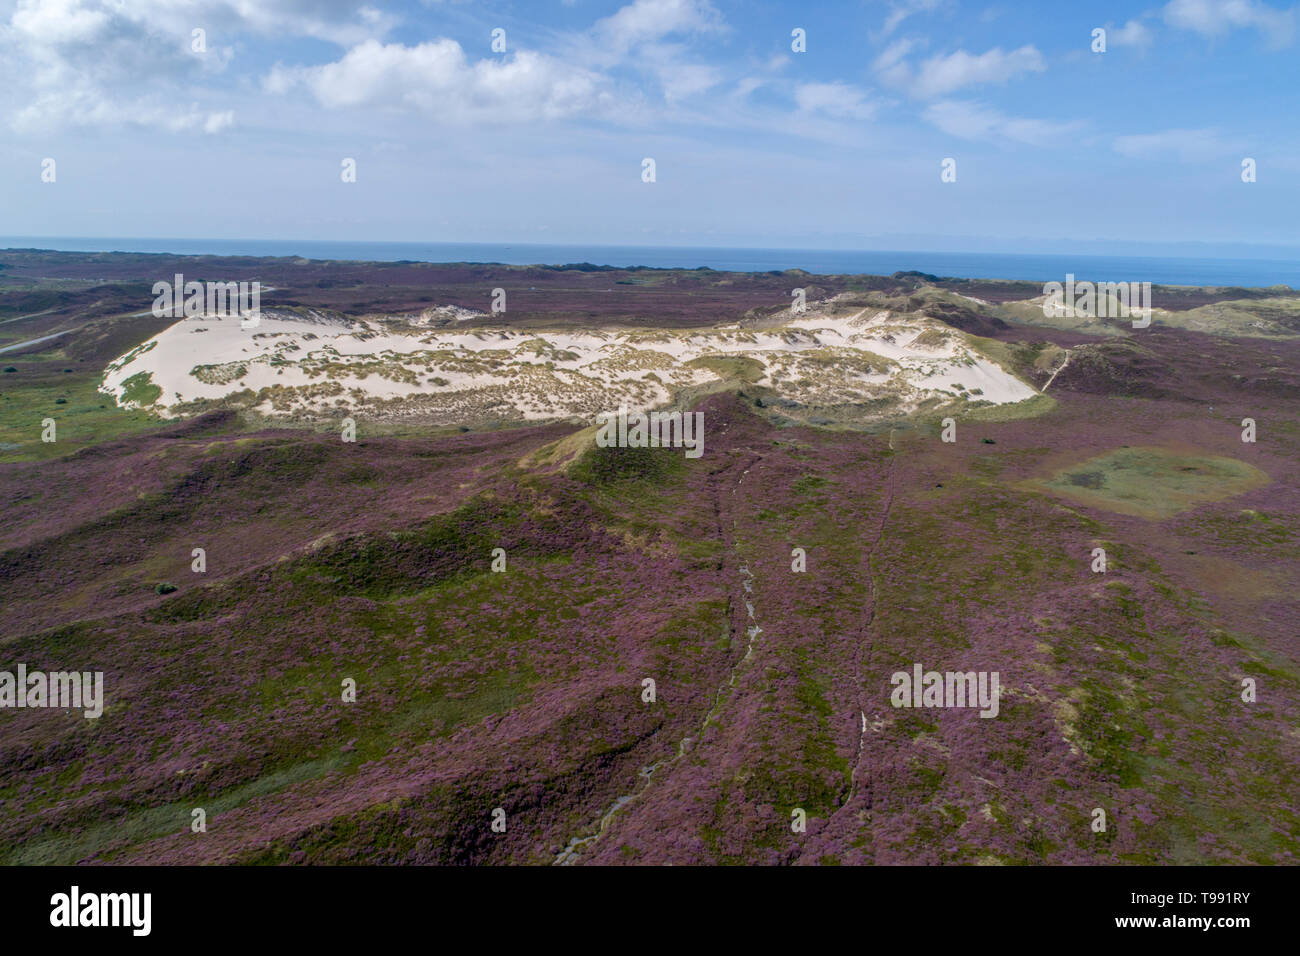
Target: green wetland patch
1153,482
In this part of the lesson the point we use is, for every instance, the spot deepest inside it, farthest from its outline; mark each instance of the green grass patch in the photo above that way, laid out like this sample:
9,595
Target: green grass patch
140,390
739,367
1153,482
86,417
610,466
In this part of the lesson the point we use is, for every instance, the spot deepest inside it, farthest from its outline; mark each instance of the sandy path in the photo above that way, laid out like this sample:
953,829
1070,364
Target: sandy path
1058,370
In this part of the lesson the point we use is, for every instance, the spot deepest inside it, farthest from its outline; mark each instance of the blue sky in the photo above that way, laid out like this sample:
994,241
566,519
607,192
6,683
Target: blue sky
840,146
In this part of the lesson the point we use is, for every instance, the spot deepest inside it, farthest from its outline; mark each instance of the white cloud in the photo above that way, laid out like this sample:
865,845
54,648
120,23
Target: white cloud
648,21
58,21
1133,33
892,63
773,65
83,107
650,36
1214,18
683,80
64,21
838,100
108,62
340,22
436,78
216,122
946,73
79,63
900,11
1188,145
971,120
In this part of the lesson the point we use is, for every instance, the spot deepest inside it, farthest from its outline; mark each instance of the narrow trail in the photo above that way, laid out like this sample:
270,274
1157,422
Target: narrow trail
864,648
572,852
43,338
1058,370
865,645
29,315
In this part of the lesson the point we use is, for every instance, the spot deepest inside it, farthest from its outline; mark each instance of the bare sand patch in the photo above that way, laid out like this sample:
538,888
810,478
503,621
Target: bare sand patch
294,366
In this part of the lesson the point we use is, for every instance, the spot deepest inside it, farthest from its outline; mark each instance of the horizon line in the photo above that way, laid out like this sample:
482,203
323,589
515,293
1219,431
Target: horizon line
668,246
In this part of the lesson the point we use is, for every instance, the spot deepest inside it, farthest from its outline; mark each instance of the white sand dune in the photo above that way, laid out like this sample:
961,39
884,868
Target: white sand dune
296,365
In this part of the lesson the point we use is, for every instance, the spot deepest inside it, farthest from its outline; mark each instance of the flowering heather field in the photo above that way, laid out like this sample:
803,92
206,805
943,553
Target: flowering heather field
521,690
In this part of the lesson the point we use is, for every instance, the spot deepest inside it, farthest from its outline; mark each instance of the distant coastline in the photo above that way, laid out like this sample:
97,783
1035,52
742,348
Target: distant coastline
1163,270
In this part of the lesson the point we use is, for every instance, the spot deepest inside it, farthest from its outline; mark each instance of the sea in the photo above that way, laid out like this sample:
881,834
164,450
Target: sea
963,265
